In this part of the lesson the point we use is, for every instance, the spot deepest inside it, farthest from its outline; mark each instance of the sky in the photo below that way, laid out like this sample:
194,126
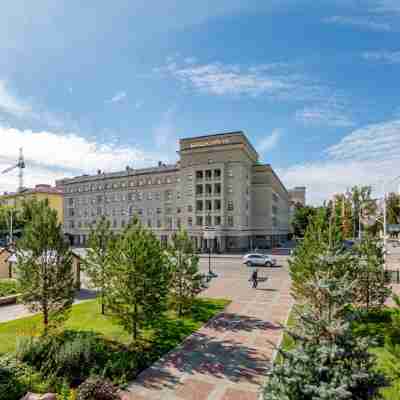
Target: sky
102,85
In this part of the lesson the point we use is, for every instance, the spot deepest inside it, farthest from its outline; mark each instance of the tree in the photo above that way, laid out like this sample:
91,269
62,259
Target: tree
301,219
185,277
322,236
96,262
44,266
138,282
328,362
371,289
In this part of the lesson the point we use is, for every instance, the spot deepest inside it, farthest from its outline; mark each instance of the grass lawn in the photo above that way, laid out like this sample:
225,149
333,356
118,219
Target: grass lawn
86,317
7,287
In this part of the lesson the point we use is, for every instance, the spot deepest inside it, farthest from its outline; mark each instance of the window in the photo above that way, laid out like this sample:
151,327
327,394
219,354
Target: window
168,222
230,189
199,175
130,196
208,205
190,177
178,210
123,223
217,188
79,224
157,195
158,181
140,211
168,195
168,210
230,205
230,173
217,205
230,220
71,201
217,173
159,223
115,223
189,208
131,210
149,195
71,212
158,211
217,220
149,223
72,224
208,220
199,190
190,221
199,221
98,210
208,174
178,195
149,182
199,205
139,196
168,179
208,189
149,211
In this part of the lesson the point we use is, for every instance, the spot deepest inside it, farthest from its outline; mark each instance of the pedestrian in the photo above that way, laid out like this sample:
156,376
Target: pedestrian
254,278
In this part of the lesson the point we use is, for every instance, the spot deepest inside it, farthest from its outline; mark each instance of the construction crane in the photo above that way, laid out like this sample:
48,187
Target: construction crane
20,165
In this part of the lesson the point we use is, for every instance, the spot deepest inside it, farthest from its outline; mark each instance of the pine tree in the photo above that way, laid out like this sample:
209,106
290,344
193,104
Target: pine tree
44,266
185,277
372,284
137,286
97,260
322,236
329,362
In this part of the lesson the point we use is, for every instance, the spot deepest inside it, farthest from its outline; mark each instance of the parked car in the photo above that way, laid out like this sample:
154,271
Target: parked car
259,259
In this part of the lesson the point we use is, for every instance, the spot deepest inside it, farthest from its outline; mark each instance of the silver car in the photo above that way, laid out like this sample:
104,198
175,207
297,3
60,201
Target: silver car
259,259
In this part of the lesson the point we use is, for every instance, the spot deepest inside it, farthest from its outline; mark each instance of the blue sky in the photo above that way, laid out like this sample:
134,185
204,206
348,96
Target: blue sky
107,84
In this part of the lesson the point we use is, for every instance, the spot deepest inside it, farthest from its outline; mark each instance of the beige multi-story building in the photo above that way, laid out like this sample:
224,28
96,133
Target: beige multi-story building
218,182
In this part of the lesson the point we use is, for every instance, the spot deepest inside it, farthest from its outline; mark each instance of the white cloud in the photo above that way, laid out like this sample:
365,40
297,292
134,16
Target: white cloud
364,22
274,80
328,115
164,133
10,104
50,156
363,157
118,97
388,57
269,142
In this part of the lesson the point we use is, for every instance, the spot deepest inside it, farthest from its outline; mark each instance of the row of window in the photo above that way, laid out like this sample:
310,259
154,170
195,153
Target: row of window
81,188
118,197
158,223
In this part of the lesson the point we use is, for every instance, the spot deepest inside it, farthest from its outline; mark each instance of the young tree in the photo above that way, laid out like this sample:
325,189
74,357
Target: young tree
322,236
96,262
301,219
372,284
328,362
44,266
137,286
185,277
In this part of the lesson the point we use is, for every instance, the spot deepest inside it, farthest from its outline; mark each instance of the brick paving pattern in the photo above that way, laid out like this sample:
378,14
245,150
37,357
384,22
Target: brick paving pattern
228,358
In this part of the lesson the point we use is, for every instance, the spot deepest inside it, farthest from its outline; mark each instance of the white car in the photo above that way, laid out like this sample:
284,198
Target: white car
259,259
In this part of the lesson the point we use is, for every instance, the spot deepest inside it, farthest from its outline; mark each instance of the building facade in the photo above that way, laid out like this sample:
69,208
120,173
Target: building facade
218,182
54,195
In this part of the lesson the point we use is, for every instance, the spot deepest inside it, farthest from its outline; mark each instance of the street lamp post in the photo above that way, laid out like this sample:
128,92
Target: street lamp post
384,216
209,234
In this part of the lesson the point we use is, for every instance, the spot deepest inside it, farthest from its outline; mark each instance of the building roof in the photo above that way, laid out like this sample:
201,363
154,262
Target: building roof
41,188
161,168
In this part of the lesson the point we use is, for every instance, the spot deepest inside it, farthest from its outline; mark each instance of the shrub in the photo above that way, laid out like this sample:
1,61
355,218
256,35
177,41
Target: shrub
11,388
97,388
70,355
8,287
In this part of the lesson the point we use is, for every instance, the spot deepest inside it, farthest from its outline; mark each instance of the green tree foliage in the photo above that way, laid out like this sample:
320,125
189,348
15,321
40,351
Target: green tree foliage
329,362
393,208
301,219
97,260
44,268
137,287
185,277
322,236
372,284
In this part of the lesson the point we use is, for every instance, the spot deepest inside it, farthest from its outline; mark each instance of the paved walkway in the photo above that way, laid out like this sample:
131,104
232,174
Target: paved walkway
16,311
228,358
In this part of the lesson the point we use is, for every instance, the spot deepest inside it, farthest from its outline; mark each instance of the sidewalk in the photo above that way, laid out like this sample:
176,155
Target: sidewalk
228,358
